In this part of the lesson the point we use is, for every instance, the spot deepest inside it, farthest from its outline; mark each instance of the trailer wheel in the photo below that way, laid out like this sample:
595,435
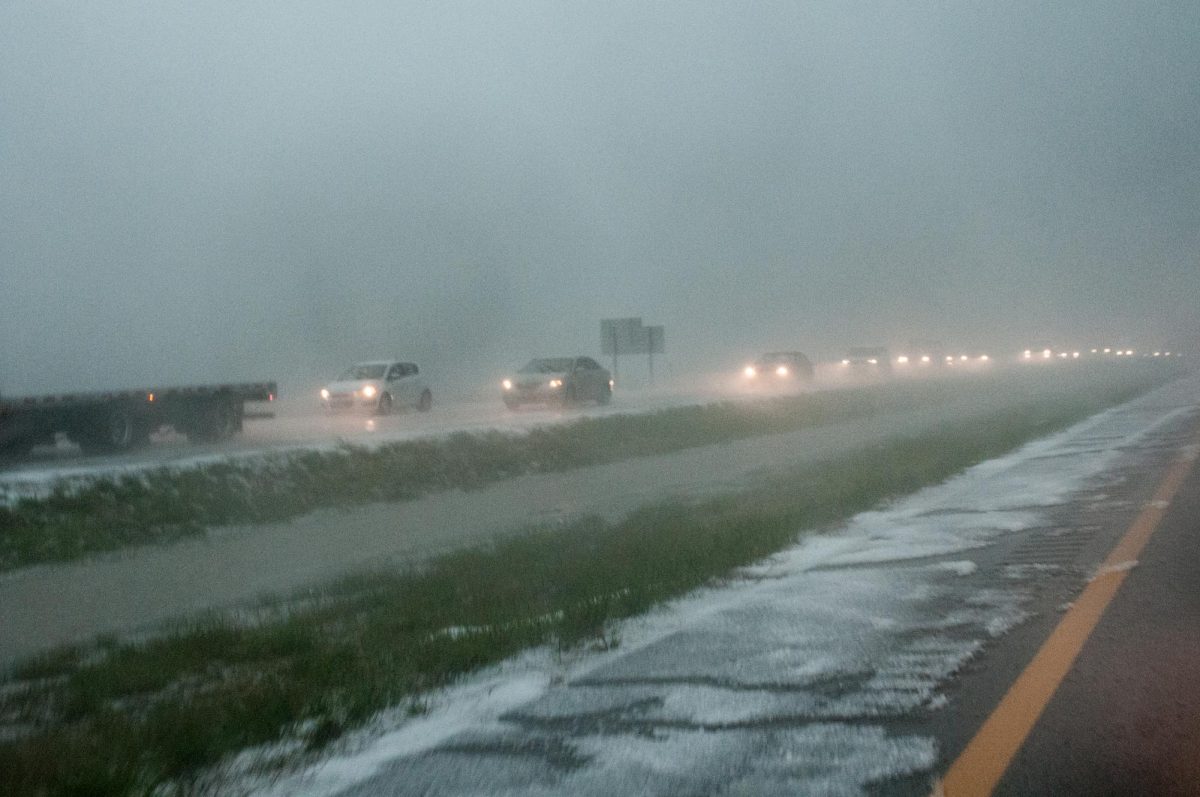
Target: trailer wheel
111,431
16,448
214,421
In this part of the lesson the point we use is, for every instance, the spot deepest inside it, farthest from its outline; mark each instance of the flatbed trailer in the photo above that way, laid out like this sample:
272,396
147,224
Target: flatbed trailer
119,420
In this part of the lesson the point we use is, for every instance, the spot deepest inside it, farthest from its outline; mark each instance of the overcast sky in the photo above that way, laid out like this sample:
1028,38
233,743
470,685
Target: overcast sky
226,189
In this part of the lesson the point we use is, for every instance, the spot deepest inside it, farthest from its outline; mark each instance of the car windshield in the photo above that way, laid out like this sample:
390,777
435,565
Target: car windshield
556,365
364,371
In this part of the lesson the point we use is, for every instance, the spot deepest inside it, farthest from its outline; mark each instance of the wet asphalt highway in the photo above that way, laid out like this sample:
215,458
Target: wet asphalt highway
864,664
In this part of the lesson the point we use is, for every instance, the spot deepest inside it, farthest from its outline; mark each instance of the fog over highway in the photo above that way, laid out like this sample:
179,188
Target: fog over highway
217,192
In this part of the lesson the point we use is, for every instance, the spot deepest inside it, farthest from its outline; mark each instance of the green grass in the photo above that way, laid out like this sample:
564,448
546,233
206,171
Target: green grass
156,506
127,717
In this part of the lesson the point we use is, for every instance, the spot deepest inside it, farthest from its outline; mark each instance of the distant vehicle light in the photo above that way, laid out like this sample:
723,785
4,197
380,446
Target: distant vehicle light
983,358
1075,355
873,361
555,383
324,393
1108,351
1120,353
1095,351
1028,354
1156,354
1062,354
750,372
1129,352
506,384
845,362
150,397
369,391
949,359
782,370
611,384
964,358
924,358
902,359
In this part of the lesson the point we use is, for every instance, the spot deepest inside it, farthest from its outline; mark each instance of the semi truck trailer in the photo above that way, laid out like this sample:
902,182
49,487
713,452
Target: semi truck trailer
120,420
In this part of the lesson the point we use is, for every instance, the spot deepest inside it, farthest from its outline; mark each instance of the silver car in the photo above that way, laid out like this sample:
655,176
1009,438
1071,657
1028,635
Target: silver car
558,380
378,386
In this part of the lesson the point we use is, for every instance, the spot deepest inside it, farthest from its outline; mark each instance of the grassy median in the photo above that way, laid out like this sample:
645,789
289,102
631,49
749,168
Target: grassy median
112,512
124,717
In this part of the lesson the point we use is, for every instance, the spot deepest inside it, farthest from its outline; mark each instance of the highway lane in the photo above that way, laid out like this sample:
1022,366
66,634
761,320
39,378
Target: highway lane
1125,719
300,424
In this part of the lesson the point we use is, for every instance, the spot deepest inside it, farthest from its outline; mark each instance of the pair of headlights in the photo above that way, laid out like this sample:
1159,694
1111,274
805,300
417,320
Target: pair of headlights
554,384
367,392
751,372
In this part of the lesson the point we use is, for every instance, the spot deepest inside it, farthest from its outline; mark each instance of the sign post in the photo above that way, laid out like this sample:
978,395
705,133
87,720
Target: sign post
655,344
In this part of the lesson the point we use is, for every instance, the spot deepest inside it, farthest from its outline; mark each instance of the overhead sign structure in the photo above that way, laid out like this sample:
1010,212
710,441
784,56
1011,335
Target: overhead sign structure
628,336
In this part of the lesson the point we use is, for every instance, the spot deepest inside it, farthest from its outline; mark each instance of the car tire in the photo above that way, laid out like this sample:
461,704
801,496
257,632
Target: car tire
425,403
385,405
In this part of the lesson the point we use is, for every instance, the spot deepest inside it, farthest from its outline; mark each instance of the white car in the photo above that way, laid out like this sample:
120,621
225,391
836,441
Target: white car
378,386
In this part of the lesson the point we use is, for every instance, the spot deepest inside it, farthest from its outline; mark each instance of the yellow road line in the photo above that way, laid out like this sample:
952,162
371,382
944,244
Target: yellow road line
980,766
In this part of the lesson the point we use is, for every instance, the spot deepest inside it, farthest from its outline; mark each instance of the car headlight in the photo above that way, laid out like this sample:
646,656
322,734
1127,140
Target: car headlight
782,370
750,372
555,383
873,361
369,391
845,362
506,384
902,360
324,392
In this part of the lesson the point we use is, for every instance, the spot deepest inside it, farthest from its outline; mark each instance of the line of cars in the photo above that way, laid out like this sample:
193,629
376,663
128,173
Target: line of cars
384,386
793,368
779,369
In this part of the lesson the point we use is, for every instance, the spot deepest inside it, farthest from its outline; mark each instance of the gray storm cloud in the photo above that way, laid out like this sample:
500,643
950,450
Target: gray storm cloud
218,190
